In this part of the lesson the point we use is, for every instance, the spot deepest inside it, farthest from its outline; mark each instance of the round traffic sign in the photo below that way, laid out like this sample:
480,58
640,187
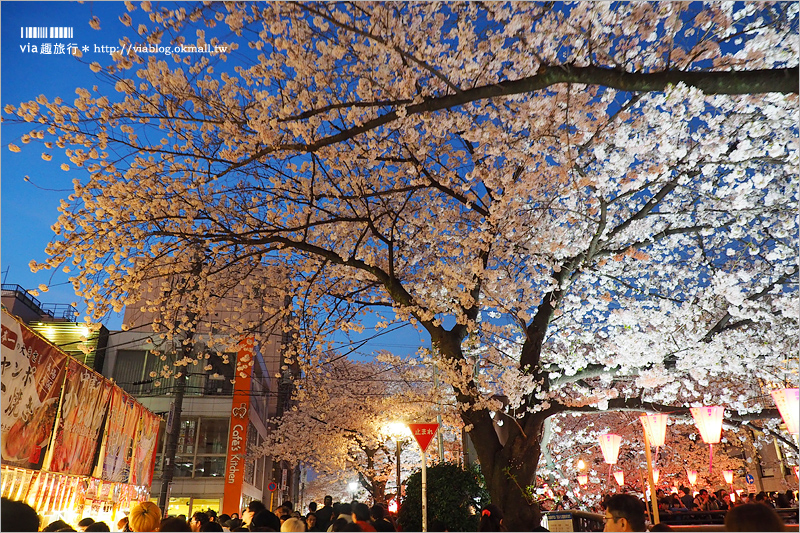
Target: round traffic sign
750,479
272,487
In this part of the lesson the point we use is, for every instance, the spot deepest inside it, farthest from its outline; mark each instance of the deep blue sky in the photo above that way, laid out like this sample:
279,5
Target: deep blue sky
29,208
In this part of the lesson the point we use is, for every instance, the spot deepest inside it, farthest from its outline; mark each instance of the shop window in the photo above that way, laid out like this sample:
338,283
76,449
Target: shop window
183,466
210,467
213,436
187,436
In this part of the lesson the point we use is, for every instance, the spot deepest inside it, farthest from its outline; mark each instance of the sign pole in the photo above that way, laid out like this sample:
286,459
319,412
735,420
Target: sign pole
424,492
653,498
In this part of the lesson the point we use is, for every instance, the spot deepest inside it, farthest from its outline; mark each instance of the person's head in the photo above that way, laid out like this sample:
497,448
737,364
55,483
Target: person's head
327,501
253,508
197,520
18,516
122,524
345,508
211,526
289,505
97,526
293,524
311,520
52,526
703,494
361,512
491,519
265,521
378,512
144,516
235,516
753,517
223,518
174,523
624,512
84,523
661,527
312,507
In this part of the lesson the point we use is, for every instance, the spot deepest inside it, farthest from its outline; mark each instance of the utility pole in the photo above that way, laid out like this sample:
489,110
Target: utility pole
173,431
174,427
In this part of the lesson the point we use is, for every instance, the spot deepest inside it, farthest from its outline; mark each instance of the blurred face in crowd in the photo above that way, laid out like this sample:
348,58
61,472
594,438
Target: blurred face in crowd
616,524
311,520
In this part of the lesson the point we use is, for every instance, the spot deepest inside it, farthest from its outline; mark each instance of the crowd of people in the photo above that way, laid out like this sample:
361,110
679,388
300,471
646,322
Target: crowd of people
146,516
622,512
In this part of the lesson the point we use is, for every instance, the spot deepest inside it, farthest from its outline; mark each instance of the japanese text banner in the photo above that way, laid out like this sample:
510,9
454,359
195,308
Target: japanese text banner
32,376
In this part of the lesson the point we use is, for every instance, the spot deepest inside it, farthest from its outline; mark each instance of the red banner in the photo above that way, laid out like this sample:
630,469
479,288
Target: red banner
237,434
121,423
84,405
144,454
32,377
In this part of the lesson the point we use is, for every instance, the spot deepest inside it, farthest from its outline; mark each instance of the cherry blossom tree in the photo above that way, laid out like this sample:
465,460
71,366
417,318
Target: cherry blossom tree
587,206
342,422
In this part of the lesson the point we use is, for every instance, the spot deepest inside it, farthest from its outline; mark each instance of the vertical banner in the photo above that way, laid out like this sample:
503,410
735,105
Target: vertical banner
144,453
32,378
114,464
237,433
83,408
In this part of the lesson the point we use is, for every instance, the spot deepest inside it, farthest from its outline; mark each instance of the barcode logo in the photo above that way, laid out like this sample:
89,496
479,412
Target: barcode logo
44,32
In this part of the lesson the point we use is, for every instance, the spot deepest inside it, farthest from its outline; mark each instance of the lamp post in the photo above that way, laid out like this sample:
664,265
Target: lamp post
654,428
398,430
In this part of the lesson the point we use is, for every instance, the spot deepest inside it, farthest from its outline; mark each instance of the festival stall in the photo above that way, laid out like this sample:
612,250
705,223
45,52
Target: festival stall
73,443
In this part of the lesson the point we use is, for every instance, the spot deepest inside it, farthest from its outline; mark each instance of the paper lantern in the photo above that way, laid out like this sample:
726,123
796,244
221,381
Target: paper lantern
581,464
692,475
656,428
709,422
583,479
609,444
656,473
787,402
733,496
619,475
728,475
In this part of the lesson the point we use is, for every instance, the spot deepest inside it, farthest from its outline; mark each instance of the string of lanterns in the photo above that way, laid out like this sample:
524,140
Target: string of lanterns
708,421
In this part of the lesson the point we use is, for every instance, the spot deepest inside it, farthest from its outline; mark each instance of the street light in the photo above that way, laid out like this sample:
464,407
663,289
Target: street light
398,431
353,488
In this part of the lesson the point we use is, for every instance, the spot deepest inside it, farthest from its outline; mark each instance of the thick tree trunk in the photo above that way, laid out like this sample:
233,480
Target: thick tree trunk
509,472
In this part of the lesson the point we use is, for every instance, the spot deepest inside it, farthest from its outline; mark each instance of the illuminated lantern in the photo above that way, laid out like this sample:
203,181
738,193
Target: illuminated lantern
393,506
709,422
733,496
583,479
656,473
609,444
692,475
728,475
581,464
787,402
656,427
619,475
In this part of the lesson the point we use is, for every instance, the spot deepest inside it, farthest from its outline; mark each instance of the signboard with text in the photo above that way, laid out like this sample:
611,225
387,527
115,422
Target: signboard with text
237,433
424,434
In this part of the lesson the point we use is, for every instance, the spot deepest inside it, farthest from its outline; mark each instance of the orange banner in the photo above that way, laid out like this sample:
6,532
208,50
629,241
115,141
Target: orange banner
237,433
86,397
